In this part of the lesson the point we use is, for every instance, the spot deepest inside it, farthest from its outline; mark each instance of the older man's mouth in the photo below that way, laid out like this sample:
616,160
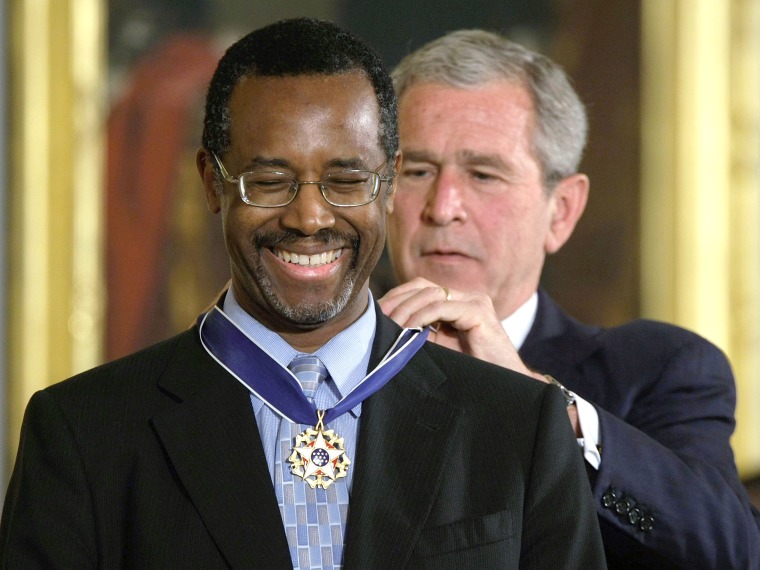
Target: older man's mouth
445,254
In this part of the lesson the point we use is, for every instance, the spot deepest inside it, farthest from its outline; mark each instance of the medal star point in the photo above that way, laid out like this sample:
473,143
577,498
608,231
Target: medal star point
318,460
319,457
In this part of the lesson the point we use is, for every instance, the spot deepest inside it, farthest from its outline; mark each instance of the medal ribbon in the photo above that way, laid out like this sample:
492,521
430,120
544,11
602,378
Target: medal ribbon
276,386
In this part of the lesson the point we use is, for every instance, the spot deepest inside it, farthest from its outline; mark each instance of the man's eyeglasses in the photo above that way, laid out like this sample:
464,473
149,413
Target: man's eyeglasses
276,189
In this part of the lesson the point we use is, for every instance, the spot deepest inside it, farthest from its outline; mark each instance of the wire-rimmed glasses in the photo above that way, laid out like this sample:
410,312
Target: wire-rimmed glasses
272,189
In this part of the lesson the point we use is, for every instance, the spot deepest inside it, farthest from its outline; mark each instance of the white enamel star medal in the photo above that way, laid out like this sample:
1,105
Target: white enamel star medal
319,457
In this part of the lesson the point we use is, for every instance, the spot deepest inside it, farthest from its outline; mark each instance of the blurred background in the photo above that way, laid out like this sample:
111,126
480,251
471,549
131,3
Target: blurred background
108,246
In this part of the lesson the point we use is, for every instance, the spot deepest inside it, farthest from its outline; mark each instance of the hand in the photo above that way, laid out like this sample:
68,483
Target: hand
467,322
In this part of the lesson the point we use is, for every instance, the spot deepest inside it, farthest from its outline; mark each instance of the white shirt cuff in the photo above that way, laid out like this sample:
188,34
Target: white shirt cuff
589,424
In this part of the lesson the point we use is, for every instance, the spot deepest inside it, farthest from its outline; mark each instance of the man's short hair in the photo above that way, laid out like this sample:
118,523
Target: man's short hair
469,58
299,46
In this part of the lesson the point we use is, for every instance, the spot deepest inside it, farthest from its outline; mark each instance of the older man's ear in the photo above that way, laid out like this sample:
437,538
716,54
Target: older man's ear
569,201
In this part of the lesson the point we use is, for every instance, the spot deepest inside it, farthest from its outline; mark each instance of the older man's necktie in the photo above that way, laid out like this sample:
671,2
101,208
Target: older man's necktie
314,519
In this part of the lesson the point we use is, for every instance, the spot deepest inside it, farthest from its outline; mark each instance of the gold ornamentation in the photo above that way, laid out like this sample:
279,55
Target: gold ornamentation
321,458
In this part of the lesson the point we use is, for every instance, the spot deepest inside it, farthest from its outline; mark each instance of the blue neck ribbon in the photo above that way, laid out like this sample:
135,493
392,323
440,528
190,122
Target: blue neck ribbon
276,386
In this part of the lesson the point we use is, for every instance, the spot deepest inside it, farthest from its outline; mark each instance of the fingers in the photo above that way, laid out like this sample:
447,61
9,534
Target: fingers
420,303
420,290
403,291
469,321
415,304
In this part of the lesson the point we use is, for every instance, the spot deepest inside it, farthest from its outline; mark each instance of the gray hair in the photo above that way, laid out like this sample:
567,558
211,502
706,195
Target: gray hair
468,58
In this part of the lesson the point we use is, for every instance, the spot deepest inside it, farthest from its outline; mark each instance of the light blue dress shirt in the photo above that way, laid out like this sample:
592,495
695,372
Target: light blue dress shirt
346,357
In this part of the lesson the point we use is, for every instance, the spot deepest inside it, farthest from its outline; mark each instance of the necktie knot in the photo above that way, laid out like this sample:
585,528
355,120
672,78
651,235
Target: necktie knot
310,372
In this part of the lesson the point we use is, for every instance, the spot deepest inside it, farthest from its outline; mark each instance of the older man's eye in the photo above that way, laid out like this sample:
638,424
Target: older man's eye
417,173
483,176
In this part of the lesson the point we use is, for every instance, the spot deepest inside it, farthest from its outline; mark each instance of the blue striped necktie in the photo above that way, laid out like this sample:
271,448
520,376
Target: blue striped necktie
313,518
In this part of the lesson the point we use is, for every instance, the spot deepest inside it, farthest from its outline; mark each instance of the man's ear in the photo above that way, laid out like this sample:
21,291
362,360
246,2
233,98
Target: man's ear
568,199
394,182
205,164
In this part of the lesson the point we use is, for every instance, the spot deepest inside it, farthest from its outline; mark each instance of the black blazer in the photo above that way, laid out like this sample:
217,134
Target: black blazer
155,461
666,400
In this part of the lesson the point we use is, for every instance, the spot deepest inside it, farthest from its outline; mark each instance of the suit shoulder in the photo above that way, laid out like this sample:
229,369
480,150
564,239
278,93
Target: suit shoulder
142,366
453,362
645,333
651,349
473,379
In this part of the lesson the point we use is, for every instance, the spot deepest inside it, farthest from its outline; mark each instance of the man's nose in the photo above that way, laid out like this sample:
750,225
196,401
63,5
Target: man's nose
445,199
309,212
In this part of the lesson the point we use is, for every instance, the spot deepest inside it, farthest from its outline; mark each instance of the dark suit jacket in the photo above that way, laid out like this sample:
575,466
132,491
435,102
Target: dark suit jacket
155,461
666,400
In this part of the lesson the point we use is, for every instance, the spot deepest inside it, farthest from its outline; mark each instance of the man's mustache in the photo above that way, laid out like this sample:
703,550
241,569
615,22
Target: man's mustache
326,236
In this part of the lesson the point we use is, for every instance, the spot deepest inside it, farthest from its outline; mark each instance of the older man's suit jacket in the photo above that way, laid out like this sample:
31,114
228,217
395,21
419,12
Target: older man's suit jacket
155,461
666,400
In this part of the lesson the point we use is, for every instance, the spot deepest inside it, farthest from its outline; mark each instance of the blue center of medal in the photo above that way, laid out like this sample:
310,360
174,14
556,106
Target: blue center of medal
319,457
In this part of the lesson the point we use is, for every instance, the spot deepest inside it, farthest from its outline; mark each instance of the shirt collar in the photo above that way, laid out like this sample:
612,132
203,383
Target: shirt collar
346,355
518,324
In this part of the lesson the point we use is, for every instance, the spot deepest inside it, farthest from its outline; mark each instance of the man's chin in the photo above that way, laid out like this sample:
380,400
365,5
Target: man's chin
309,313
301,313
306,306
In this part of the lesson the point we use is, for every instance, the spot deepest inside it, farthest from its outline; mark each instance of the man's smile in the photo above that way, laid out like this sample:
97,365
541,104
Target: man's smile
316,259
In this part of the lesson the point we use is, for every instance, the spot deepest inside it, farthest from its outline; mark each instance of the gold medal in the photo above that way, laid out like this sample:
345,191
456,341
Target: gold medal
319,457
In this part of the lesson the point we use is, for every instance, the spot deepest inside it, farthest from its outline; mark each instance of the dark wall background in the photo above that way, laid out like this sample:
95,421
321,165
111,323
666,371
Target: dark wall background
397,27
596,275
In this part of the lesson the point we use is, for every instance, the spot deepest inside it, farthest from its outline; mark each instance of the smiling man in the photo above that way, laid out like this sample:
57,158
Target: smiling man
296,426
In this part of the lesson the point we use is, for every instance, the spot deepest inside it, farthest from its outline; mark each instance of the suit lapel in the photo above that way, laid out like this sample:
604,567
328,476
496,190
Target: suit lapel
557,344
400,459
213,443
